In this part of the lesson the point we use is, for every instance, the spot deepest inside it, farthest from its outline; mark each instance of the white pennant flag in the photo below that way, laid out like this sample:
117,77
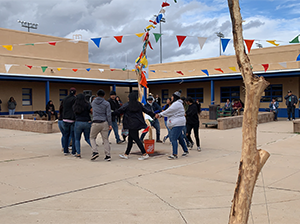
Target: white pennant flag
201,41
101,70
7,67
283,64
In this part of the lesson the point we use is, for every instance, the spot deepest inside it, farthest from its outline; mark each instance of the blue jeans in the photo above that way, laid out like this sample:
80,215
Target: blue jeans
176,135
167,129
11,111
79,128
155,124
184,136
61,128
115,129
68,132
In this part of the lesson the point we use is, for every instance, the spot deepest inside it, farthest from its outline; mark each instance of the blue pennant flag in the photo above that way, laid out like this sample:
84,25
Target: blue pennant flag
144,100
205,71
152,71
224,43
88,69
159,17
298,58
96,41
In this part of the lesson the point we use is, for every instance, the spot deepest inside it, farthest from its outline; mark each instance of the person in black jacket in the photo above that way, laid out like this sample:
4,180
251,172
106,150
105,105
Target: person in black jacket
192,122
50,109
154,107
68,117
291,102
133,120
114,105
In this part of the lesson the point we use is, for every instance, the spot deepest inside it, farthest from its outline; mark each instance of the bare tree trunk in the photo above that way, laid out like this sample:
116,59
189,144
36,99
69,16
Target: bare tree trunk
252,160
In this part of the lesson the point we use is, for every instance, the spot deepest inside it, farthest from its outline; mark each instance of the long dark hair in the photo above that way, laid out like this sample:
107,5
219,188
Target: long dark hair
133,104
80,104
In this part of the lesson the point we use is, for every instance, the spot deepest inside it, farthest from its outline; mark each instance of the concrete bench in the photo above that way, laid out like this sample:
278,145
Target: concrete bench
296,126
237,121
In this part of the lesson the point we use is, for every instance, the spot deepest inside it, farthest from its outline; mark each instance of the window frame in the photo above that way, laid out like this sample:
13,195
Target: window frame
62,96
271,93
231,98
163,98
196,92
27,94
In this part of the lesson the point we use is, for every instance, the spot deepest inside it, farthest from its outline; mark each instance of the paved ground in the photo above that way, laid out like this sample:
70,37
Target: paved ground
40,185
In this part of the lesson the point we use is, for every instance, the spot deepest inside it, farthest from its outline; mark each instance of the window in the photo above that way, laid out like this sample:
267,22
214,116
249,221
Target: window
272,91
230,93
195,93
164,95
26,97
62,94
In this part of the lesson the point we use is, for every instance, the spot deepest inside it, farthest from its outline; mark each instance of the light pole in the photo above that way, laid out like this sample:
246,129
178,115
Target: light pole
220,35
163,20
28,25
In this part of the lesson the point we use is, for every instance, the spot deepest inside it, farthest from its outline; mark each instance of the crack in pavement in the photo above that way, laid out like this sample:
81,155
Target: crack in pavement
14,160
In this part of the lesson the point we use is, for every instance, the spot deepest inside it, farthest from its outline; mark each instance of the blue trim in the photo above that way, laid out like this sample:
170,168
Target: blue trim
145,93
47,92
114,88
282,112
212,92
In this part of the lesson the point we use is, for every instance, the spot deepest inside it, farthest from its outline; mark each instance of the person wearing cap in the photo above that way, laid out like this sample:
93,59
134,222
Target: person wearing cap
68,117
291,102
155,108
101,124
176,122
114,105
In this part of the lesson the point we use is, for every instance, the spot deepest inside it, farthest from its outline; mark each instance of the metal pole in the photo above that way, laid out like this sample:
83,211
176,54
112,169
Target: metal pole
220,47
47,92
212,92
160,42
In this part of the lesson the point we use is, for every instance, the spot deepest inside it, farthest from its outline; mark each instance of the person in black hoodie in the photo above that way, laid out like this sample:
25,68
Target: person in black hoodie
50,109
192,122
133,120
68,117
114,105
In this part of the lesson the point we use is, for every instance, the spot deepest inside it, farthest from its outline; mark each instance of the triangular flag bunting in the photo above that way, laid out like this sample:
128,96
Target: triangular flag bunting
295,40
30,44
220,70
233,69
143,81
158,18
179,72
144,61
152,71
273,42
298,58
157,36
165,4
58,69
29,66
139,34
8,47
180,39
266,66
88,69
151,21
201,41
148,27
146,130
124,69
75,69
133,70
283,64
224,43
52,43
44,68
96,41
249,44
112,69
150,45
7,67
119,38
101,70
205,71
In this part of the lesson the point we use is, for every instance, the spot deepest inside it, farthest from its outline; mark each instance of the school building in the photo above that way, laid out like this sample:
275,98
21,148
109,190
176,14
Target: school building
35,68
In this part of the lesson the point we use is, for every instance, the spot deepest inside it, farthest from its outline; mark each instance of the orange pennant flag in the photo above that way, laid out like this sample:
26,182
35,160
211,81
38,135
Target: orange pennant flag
112,69
52,43
143,81
8,47
139,34
119,38
75,69
146,130
249,44
220,70
273,42
266,66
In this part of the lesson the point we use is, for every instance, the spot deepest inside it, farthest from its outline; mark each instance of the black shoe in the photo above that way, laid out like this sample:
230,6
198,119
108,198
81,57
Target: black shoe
159,141
107,158
95,155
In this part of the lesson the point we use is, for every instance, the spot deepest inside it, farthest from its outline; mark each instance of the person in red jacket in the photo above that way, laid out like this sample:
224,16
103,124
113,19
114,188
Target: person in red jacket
236,107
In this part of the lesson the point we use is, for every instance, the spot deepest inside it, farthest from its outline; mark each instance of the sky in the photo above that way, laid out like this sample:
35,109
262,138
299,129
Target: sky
263,20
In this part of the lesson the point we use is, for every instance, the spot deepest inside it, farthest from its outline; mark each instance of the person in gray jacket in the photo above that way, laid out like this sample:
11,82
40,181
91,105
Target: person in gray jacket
11,106
102,123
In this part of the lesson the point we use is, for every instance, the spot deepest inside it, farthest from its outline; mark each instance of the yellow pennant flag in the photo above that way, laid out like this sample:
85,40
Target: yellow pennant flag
233,69
148,27
8,47
273,42
144,61
133,70
136,61
139,34
58,69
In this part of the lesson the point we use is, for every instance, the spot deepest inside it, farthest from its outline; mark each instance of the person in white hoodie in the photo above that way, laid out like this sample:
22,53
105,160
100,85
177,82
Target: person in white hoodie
176,122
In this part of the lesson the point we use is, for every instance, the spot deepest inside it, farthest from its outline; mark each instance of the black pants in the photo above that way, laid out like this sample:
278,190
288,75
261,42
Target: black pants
49,115
189,128
134,136
291,110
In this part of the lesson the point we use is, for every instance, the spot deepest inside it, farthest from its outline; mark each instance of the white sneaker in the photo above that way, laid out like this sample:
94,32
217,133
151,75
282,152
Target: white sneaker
123,156
199,149
144,157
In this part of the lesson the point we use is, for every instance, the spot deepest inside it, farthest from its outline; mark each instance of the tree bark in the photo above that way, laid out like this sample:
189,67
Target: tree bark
252,160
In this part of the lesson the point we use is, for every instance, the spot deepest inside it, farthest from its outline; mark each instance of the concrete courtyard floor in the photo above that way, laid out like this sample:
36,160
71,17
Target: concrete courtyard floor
38,184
